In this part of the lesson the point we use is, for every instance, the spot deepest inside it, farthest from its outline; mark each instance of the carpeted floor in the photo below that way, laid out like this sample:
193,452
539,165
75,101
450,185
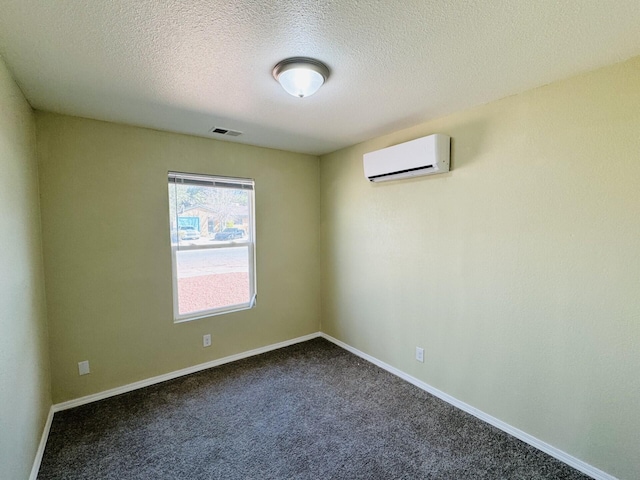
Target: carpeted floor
309,411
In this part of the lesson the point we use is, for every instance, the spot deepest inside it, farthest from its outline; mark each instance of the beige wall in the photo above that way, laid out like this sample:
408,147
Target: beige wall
24,360
518,271
108,261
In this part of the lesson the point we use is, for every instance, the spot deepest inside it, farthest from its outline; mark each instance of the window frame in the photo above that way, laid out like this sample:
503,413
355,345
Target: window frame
249,244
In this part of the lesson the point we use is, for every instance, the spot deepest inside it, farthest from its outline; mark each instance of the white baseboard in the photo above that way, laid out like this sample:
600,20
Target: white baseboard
178,373
43,443
505,427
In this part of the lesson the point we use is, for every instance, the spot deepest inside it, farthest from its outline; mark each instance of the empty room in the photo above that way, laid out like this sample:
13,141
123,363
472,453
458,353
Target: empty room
320,240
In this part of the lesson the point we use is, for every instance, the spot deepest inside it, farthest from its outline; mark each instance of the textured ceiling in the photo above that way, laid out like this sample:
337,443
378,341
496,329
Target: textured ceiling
188,66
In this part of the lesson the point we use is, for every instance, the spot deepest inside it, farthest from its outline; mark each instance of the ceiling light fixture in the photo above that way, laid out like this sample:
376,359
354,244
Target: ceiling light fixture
301,76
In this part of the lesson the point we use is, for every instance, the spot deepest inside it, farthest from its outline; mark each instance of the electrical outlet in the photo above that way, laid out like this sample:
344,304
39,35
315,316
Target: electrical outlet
206,340
420,354
83,367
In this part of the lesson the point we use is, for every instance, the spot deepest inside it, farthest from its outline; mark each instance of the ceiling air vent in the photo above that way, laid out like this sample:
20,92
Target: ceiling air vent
225,131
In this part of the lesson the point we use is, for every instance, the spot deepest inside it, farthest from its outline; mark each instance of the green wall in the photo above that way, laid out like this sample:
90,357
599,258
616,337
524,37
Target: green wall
518,271
25,396
105,224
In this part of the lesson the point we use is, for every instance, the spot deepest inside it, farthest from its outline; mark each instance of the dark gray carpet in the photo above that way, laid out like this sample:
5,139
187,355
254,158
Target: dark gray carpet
310,411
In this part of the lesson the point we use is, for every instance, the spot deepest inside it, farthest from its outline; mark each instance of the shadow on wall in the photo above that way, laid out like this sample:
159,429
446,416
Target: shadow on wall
466,144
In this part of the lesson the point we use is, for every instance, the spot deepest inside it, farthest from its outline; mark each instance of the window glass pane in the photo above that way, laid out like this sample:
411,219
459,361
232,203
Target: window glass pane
200,214
212,278
213,244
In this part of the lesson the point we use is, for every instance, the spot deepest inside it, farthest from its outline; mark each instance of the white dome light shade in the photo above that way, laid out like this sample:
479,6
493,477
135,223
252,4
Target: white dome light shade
301,82
300,76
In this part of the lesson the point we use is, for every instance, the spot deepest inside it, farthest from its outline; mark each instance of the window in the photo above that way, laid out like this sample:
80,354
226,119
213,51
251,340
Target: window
212,244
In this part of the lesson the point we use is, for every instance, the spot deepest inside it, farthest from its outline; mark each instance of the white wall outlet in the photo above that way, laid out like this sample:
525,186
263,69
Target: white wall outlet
420,354
83,367
206,340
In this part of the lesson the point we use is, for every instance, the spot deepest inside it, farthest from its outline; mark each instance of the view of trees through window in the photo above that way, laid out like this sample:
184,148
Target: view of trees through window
212,243
221,204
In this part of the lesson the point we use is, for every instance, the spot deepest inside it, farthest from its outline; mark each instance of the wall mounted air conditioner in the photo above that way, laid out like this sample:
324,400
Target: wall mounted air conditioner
423,156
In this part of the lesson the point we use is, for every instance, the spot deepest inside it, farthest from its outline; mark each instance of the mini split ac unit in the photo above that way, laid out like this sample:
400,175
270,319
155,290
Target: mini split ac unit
423,156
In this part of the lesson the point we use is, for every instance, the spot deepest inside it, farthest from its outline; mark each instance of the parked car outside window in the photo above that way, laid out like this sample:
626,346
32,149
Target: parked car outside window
189,233
229,234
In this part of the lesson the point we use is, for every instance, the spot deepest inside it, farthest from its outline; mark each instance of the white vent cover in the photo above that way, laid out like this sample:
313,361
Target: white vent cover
225,131
423,156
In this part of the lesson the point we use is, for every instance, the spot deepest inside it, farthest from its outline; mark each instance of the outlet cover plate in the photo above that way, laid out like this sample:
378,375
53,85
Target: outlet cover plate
83,367
206,340
420,354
